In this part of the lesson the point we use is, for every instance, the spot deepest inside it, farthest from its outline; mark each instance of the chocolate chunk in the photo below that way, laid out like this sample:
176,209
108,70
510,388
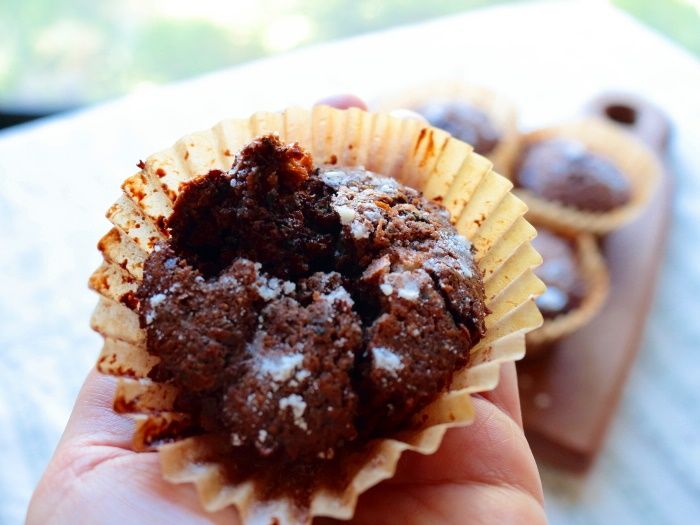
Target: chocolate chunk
304,311
565,171
463,121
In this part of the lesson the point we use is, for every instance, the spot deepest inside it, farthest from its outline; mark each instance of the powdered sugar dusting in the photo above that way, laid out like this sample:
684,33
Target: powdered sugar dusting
371,212
336,178
298,406
271,288
229,280
268,289
156,299
409,290
356,196
459,248
356,203
280,368
340,294
385,359
302,374
346,213
359,230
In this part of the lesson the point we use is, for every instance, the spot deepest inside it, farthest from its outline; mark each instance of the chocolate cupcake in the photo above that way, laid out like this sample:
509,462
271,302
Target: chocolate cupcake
576,277
463,121
302,311
565,171
285,325
586,176
475,115
560,273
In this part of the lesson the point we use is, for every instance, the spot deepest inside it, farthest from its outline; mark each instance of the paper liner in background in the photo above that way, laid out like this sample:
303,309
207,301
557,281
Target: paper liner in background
500,110
594,273
635,160
485,210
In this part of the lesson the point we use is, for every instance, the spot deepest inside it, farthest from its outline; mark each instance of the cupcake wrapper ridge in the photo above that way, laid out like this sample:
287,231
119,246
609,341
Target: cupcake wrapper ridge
498,107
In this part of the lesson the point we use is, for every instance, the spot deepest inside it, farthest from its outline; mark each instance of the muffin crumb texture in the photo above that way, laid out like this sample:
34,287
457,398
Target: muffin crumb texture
300,310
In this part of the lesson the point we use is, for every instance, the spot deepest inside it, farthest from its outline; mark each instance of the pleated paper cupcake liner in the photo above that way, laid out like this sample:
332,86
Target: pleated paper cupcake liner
633,158
499,109
482,205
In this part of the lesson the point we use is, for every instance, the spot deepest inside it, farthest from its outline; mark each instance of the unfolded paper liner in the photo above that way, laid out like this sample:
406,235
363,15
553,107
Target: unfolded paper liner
594,273
628,154
500,110
484,209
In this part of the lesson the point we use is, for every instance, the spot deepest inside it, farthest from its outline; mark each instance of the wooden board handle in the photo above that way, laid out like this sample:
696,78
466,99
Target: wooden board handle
569,396
636,115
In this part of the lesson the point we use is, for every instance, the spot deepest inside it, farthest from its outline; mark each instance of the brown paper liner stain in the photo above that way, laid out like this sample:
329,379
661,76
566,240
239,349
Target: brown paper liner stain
143,395
484,209
111,319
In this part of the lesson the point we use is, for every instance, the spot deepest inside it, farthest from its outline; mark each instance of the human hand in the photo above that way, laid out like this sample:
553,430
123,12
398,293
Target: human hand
482,474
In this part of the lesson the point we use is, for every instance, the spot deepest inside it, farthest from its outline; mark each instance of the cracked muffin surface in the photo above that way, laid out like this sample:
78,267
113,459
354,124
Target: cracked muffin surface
302,310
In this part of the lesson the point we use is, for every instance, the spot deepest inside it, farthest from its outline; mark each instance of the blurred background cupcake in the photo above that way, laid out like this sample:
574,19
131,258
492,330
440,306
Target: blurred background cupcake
577,283
583,176
474,114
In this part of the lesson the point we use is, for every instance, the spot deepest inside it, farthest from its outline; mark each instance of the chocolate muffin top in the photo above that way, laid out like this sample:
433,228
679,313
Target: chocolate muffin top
566,171
302,310
561,273
464,122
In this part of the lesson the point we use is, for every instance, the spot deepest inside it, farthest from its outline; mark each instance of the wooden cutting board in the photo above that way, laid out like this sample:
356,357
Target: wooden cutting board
570,395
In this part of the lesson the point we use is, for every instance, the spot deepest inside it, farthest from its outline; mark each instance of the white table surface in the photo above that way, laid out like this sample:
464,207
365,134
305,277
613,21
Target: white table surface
57,178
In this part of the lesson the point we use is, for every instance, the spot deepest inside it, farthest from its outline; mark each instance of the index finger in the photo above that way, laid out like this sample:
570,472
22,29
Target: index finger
93,419
343,101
